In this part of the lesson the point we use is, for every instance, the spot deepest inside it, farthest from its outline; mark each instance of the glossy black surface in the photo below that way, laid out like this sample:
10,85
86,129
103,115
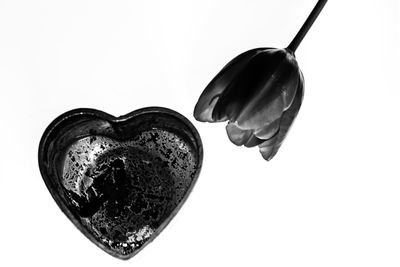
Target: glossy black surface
120,180
259,93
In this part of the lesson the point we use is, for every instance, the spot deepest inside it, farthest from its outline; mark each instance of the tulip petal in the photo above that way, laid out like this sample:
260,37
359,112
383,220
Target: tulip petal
274,93
253,141
255,118
269,148
244,86
242,137
208,99
268,131
237,136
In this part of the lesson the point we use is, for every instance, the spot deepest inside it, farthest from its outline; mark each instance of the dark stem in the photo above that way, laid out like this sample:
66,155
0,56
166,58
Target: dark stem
307,25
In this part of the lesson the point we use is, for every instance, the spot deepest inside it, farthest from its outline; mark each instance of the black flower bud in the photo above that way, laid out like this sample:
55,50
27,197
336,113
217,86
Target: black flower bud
259,93
256,92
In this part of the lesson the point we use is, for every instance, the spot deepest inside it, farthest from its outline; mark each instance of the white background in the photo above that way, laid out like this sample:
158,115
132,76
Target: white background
331,196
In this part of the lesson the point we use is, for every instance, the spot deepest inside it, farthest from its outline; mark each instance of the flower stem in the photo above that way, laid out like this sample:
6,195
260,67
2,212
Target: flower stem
307,25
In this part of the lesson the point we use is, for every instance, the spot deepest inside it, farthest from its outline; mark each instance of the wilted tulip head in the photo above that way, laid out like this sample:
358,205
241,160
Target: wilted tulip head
259,93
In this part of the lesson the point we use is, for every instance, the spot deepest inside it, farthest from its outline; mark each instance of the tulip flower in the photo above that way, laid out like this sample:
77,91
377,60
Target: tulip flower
259,93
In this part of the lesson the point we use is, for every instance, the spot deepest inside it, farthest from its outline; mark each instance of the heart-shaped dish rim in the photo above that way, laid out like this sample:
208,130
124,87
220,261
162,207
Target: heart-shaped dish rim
114,121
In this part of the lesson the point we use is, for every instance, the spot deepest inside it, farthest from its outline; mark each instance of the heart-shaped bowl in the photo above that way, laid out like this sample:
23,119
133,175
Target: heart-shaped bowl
120,180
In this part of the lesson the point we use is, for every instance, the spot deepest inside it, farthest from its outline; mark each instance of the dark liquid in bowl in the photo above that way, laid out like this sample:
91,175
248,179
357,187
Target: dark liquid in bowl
123,190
